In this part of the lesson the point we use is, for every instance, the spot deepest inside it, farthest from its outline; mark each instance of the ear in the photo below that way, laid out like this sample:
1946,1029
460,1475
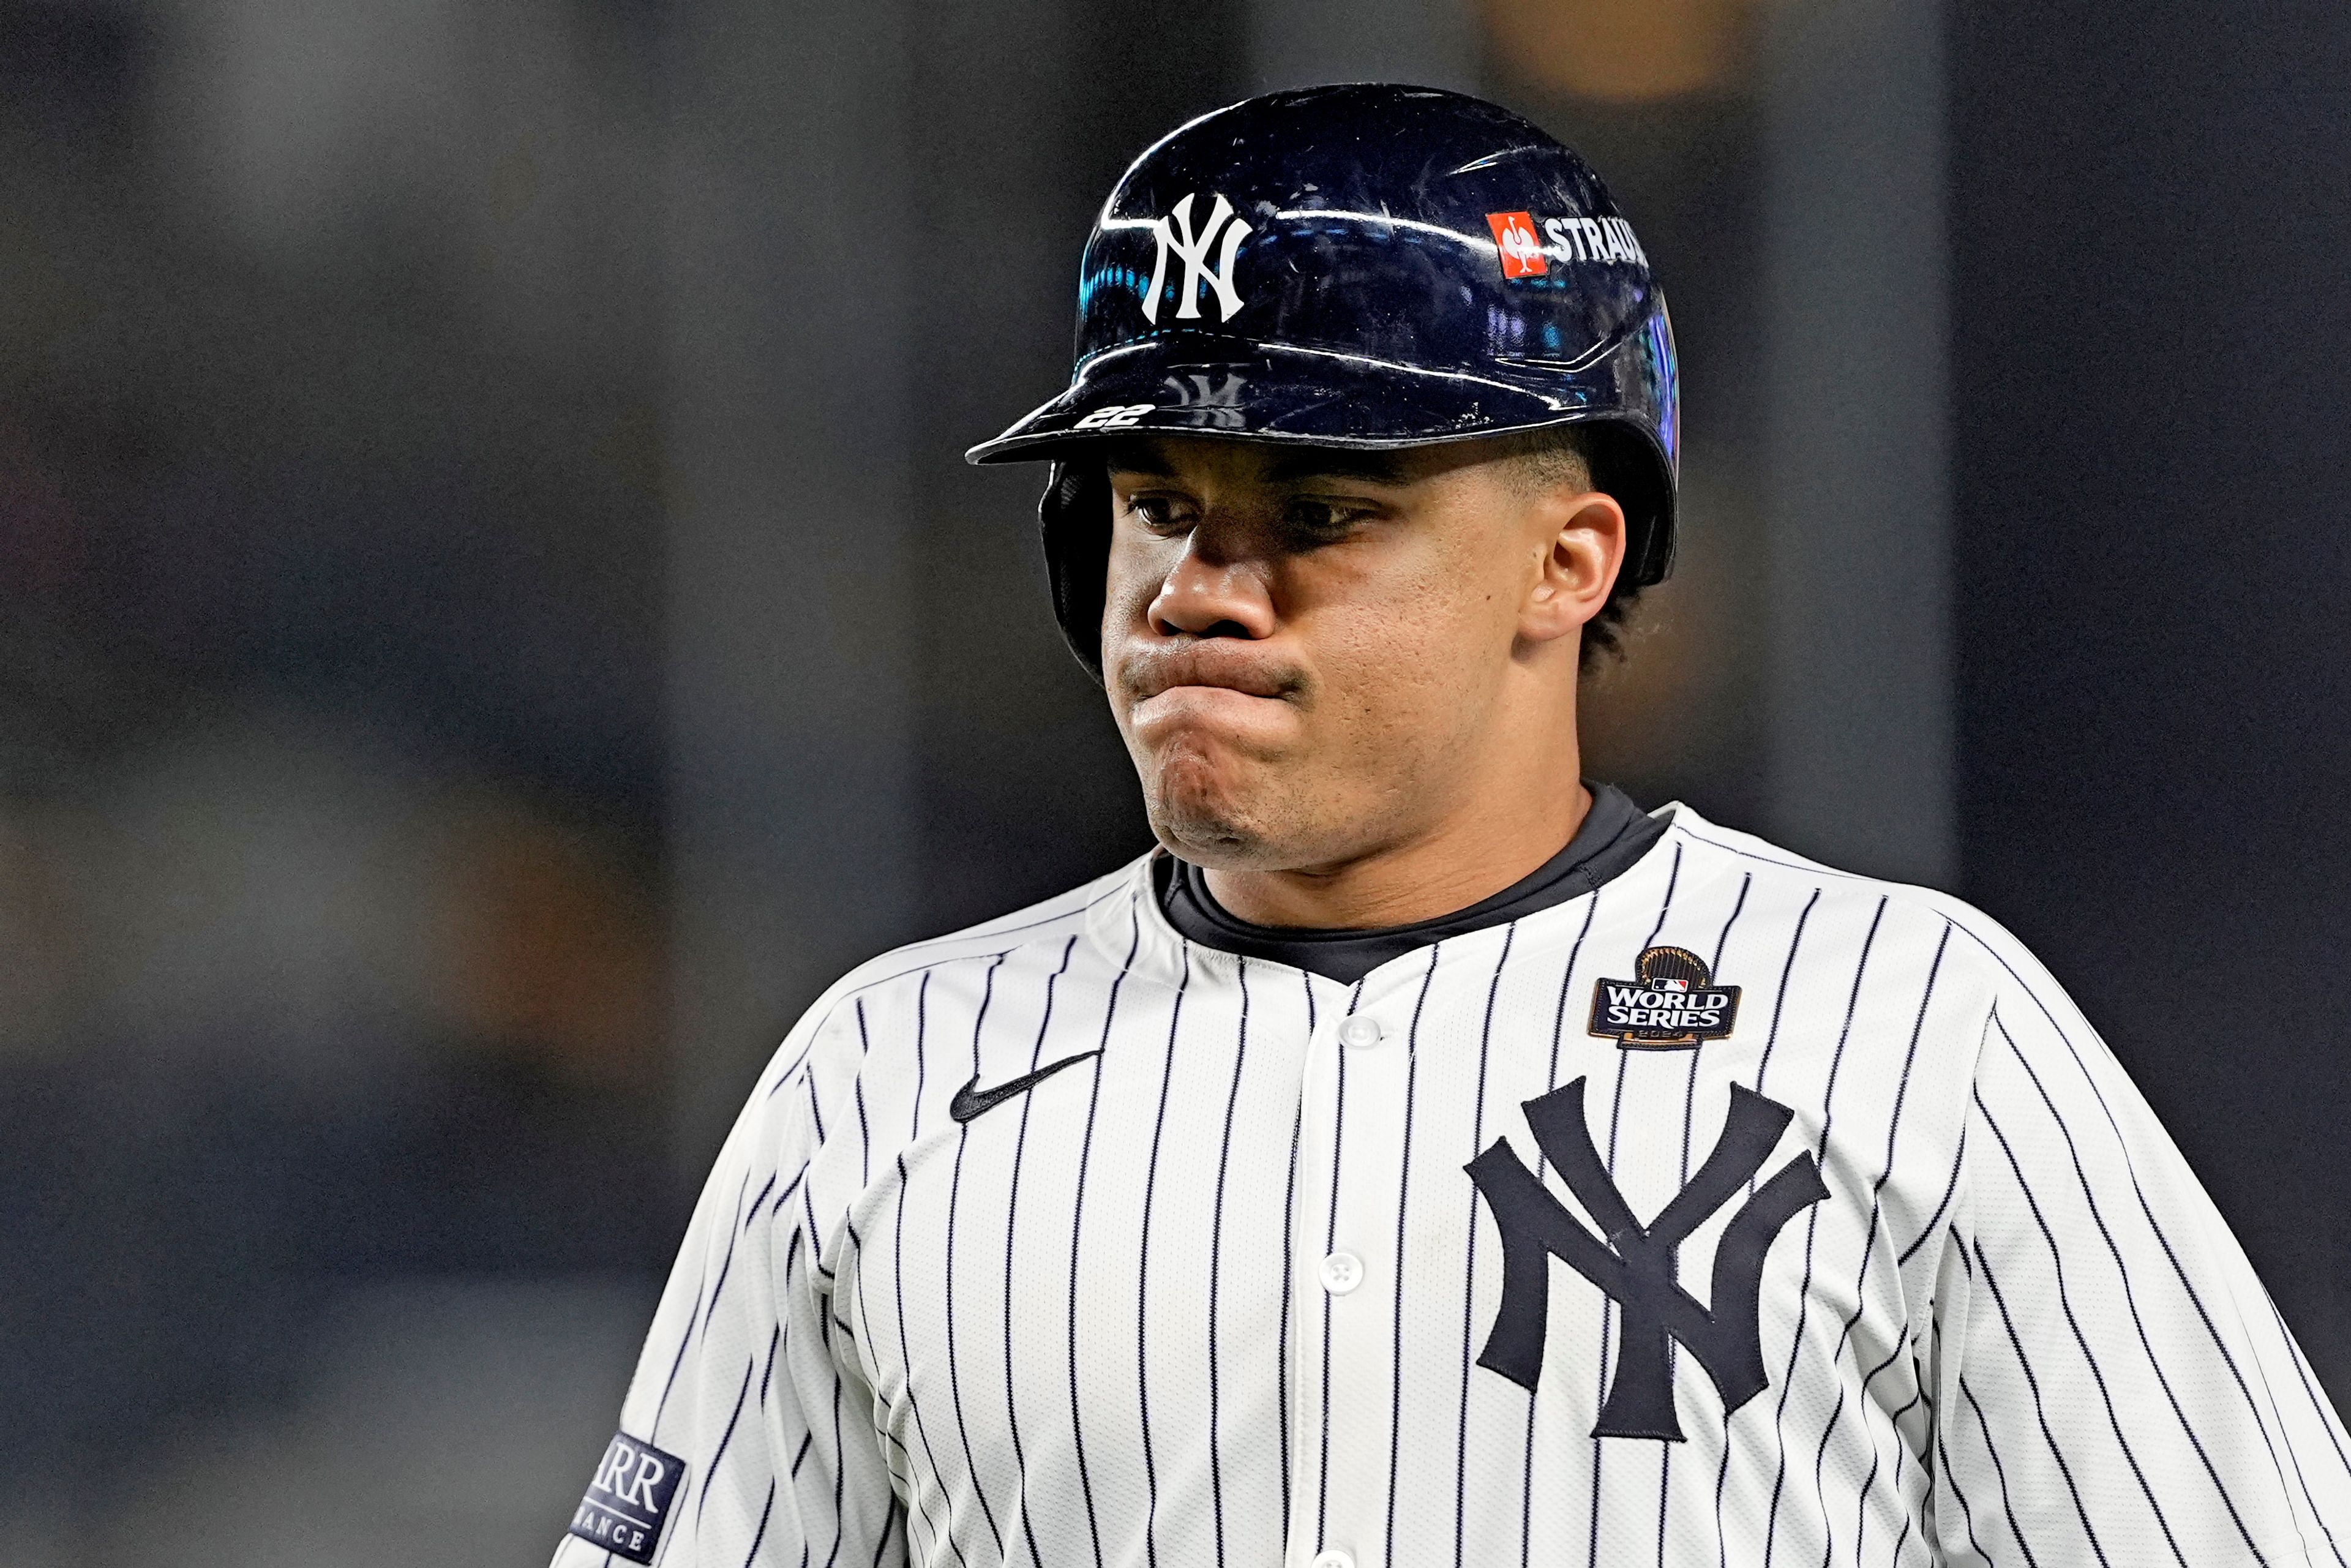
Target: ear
1580,536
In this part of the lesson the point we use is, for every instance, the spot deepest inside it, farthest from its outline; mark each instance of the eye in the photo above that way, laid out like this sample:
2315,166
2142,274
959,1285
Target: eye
1322,518
1160,514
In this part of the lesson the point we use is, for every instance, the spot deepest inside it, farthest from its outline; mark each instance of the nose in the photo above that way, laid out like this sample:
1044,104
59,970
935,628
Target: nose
1204,595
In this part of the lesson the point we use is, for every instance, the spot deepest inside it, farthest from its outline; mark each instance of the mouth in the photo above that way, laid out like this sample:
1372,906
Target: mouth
1198,672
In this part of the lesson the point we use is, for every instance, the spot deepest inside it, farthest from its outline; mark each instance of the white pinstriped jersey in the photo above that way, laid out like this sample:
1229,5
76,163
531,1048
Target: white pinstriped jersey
1224,1293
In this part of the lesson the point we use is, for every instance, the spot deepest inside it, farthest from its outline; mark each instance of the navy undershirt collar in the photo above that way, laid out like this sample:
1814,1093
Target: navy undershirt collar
1614,834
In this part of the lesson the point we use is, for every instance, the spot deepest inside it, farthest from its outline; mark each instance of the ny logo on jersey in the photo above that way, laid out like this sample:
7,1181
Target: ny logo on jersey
1174,233
1636,1265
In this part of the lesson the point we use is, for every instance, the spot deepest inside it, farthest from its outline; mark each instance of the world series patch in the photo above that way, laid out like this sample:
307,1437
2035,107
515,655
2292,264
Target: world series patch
628,1503
1673,1005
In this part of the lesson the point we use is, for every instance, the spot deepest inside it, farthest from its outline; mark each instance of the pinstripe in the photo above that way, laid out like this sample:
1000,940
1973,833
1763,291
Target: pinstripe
947,1270
1216,1262
764,1513
1608,1303
1012,1214
1764,1063
1820,1460
2000,1473
692,1314
1721,942
1665,907
1289,1306
1967,1512
1550,1081
1780,1001
783,1079
865,1312
725,1438
922,1063
733,1233
1877,1460
1404,1211
808,1212
1330,1242
1143,1268
1077,1222
1689,1115
1958,1158
864,1136
1469,1259
1860,1514
1813,1230
1869,1233
791,1190
840,1480
906,1358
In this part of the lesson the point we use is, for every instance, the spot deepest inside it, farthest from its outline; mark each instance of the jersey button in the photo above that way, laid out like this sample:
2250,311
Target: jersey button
1341,1272
1333,1559
1358,1030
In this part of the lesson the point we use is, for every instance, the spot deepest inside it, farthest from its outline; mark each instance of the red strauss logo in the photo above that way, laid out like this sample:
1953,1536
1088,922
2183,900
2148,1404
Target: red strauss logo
1514,236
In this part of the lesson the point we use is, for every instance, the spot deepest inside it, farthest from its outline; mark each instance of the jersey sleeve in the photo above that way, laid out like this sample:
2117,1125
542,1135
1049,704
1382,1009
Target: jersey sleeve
2112,1382
749,1408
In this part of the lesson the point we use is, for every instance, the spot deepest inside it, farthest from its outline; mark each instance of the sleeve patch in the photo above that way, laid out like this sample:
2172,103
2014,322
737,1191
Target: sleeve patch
628,1503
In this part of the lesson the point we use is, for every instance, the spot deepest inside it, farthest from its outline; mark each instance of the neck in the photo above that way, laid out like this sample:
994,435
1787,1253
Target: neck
1466,857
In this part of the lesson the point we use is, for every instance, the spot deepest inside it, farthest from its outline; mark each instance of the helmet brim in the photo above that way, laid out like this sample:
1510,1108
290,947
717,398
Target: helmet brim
1199,383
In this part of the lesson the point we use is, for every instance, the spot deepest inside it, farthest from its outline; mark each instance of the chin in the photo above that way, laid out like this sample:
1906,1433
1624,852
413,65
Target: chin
1200,810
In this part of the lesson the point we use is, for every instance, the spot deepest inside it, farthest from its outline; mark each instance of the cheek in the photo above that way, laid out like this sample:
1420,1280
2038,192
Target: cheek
1422,640
1132,576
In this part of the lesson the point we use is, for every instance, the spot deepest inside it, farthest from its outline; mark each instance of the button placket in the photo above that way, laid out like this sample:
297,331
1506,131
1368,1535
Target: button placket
1352,1243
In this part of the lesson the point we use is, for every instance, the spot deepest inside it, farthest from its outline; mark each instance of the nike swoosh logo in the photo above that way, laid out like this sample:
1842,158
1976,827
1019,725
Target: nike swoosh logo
972,1101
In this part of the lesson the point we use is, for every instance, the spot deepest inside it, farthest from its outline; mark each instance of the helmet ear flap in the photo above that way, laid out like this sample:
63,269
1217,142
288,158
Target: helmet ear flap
1627,464
1074,517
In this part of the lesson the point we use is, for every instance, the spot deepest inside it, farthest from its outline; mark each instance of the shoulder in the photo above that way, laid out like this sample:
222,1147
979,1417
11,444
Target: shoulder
1961,944
893,1000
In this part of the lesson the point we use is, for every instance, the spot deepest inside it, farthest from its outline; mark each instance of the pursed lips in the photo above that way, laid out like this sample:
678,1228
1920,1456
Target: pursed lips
1154,676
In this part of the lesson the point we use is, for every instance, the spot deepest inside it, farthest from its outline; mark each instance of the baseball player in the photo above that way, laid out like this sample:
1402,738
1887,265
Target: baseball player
1422,1158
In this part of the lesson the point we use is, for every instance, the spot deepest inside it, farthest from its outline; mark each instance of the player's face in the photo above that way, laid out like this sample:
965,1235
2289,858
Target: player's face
1314,654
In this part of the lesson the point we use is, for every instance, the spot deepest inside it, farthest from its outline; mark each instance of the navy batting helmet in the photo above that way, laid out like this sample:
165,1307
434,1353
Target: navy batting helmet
1366,265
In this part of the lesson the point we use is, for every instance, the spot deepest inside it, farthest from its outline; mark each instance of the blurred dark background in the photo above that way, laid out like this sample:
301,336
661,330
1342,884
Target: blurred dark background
492,618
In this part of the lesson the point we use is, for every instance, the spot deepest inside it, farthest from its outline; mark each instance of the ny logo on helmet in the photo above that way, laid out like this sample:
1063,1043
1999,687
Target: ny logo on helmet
1174,233
1216,406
